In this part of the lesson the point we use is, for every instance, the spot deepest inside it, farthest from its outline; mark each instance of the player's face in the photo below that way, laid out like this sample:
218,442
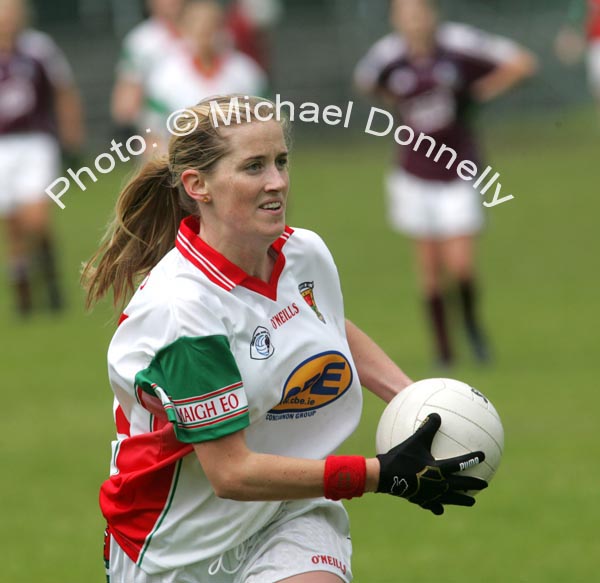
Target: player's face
414,19
12,17
168,9
202,27
249,186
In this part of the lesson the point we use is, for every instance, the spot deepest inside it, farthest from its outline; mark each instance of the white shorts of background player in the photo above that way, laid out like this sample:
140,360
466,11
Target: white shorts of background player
432,209
28,163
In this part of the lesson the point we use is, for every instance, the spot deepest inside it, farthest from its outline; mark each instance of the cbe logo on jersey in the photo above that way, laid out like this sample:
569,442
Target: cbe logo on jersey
316,382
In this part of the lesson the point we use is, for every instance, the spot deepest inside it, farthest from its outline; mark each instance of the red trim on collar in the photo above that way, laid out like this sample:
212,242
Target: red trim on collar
219,269
207,72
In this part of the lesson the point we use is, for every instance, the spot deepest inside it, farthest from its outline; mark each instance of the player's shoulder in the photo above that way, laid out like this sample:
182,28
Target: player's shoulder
241,64
470,41
143,32
37,44
388,48
241,59
149,36
306,244
301,236
173,293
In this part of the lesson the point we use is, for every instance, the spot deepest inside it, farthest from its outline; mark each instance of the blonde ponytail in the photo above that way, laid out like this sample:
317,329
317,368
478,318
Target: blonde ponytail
147,218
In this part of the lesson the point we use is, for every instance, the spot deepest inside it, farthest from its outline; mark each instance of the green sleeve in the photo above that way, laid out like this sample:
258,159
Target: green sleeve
200,387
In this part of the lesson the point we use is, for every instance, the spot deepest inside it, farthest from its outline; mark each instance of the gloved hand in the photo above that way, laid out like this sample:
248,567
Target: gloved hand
410,471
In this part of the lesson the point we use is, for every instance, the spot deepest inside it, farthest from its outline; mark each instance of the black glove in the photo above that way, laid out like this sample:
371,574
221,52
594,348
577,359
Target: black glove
410,471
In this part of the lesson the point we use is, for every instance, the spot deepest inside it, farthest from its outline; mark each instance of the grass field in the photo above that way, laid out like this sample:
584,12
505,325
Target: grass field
538,522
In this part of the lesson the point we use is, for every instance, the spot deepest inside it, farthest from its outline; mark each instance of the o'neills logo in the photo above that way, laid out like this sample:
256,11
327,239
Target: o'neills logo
280,318
329,560
318,381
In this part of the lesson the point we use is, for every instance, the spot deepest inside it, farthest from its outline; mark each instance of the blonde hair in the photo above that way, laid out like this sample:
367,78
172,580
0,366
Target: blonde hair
151,206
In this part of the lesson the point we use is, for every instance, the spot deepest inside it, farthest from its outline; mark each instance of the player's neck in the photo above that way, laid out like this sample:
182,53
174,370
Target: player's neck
7,44
421,49
207,57
256,258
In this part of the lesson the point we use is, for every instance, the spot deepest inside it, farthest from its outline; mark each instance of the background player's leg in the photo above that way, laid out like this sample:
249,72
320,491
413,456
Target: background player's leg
313,577
458,256
430,273
35,218
18,263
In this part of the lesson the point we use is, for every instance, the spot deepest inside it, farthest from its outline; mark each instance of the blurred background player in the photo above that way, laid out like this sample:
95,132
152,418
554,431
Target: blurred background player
142,48
570,44
203,64
38,103
251,24
432,73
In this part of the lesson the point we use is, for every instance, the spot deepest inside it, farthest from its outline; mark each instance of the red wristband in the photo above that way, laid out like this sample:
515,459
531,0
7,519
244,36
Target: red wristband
345,476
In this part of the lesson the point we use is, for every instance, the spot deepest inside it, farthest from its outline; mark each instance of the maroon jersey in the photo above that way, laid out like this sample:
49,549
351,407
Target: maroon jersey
29,76
433,95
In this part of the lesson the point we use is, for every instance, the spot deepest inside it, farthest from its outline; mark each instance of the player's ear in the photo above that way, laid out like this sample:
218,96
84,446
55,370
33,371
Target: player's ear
195,185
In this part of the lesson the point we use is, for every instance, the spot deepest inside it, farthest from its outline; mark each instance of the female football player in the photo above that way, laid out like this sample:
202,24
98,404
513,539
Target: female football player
40,111
201,65
236,376
433,74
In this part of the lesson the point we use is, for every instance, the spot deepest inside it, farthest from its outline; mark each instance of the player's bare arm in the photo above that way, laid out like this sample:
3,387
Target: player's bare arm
238,473
126,101
376,370
235,472
69,116
522,66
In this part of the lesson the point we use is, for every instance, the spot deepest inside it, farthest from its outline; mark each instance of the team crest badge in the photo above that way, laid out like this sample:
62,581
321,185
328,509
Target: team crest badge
306,290
260,346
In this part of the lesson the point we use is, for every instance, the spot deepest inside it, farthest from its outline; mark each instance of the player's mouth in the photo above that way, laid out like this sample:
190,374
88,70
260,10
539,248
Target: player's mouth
273,206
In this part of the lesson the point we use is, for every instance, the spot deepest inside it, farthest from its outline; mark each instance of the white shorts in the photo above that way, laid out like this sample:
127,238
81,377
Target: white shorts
301,538
431,209
593,66
28,164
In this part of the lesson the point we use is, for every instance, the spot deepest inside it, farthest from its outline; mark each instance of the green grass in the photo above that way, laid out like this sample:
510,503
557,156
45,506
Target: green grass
537,522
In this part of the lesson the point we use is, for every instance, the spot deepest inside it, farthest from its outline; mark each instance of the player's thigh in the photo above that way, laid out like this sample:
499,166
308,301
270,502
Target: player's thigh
312,547
458,255
429,263
12,228
34,217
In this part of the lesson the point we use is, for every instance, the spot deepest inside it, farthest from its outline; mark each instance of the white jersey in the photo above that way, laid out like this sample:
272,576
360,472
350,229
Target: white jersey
204,350
143,47
179,81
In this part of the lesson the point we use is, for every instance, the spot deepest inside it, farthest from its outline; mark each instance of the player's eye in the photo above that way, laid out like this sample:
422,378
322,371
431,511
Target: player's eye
254,166
282,162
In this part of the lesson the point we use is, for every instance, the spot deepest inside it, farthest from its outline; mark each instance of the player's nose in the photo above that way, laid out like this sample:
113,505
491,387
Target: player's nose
276,180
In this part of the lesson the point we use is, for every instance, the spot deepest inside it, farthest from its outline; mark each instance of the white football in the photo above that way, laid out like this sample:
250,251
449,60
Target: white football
469,422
